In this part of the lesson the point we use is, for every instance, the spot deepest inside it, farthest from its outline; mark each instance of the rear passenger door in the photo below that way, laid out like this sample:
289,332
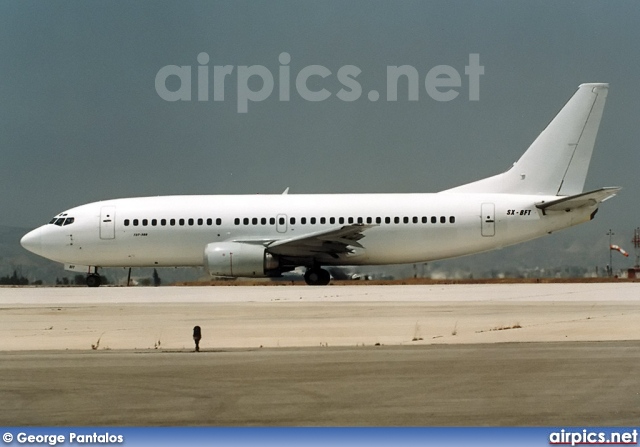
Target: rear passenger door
488,217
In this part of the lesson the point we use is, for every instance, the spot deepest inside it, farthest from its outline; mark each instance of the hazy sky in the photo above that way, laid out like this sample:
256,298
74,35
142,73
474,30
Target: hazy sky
81,119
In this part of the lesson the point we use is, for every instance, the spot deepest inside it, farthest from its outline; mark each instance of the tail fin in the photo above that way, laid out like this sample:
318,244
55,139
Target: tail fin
557,162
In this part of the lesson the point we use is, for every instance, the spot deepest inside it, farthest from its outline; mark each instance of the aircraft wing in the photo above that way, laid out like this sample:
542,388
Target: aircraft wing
331,242
579,200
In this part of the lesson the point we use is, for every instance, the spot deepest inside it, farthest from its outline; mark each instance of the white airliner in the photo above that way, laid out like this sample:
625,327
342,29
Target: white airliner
266,235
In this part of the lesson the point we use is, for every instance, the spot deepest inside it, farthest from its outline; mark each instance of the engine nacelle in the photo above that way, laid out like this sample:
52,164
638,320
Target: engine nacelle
238,259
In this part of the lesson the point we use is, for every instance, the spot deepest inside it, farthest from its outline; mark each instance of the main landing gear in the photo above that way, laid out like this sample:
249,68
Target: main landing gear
316,276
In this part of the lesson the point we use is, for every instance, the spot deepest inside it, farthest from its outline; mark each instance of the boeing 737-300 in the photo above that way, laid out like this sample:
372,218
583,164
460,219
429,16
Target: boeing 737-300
267,235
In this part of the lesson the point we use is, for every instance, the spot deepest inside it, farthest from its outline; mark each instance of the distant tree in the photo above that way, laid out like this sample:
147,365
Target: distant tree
14,280
37,282
156,278
145,282
79,280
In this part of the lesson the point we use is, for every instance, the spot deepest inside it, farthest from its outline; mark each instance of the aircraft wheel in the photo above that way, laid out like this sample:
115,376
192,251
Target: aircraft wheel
317,277
93,280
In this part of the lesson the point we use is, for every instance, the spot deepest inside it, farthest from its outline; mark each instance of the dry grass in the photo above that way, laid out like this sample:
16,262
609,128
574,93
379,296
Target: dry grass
502,328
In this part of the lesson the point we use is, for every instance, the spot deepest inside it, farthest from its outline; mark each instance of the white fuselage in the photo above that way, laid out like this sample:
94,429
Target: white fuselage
174,230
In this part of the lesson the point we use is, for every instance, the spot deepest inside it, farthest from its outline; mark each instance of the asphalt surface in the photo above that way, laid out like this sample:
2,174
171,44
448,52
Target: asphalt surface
511,384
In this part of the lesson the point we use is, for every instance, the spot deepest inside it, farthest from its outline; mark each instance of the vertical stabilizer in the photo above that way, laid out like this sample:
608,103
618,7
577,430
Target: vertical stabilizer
557,162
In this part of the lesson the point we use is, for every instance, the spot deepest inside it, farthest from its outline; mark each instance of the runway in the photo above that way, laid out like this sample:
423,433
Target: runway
295,316
516,354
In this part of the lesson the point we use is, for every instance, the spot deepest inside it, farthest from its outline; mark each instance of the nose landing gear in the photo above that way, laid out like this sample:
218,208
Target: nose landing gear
93,280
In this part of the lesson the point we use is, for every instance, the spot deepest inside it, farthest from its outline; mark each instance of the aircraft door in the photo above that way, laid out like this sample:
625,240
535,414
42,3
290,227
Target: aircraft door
488,219
108,222
281,223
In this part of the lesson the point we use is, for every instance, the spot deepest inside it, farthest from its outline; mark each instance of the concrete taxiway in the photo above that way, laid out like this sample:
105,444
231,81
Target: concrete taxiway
513,354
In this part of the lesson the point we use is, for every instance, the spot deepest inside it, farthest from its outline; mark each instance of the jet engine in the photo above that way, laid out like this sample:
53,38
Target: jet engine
239,259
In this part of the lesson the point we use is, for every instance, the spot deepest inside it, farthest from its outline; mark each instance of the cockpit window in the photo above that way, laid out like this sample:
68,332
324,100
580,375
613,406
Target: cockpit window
62,219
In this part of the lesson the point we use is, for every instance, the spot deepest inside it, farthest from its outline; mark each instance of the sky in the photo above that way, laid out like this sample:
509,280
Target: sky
81,118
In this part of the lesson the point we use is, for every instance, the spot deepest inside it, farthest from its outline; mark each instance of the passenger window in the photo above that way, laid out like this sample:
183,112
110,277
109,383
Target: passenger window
181,222
254,221
145,222
245,221
434,219
313,221
387,220
406,219
69,221
332,220
378,220
351,220
191,221
424,219
360,220
323,220
154,222
263,221
135,222
369,220
236,221
200,221
272,221
452,219
415,219
281,221
172,222
303,220
209,221
292,221
396,220
126,222
163,222
218,221
443,219
341,220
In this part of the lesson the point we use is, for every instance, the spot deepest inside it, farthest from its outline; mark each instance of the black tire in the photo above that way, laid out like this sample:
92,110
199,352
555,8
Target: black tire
317,277
325,277
93,281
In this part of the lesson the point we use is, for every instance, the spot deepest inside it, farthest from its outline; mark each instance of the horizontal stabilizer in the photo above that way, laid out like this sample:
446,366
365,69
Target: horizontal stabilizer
579,200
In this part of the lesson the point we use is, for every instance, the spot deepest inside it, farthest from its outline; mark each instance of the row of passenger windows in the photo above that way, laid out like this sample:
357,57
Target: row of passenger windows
292,221
343,220
171,222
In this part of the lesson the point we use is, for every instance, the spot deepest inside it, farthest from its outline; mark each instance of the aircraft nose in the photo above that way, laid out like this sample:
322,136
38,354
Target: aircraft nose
32,241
